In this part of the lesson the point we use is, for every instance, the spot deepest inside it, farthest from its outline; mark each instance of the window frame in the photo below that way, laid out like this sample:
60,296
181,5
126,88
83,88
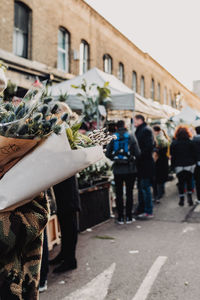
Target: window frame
142,79
165,100
152,89
109,58
159,92
26,33
65,51
84,61
122,77
134,75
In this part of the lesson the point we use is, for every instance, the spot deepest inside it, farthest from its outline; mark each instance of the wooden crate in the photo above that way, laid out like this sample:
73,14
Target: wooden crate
53,232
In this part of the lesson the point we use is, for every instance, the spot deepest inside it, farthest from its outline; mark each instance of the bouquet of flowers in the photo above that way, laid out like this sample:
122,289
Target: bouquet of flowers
35,152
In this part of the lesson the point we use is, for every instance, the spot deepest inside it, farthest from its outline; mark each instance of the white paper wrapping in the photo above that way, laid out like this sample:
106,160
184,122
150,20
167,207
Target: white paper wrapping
50,163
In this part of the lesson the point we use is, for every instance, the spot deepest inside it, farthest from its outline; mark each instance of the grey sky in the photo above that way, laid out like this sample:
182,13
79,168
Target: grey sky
169,30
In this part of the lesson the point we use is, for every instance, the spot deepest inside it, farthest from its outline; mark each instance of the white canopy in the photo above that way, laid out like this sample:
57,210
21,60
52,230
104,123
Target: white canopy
124,99
187,115
122,96
153,109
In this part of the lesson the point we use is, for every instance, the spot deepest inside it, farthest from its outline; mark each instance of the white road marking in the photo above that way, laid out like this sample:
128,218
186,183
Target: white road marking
96,289
151,276
197,209
188,229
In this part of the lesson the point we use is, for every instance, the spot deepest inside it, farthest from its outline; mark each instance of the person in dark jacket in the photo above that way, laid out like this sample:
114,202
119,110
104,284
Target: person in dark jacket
68,203
161,162
145,166
183,160
196,141
123,152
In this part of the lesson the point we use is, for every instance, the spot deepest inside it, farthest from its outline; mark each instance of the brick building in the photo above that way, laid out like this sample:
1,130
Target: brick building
62,38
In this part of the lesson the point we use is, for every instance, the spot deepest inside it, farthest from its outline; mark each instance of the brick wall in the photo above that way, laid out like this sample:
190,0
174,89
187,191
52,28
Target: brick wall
85,23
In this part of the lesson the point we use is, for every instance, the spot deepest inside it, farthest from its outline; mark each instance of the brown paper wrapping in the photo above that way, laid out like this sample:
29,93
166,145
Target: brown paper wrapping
12,150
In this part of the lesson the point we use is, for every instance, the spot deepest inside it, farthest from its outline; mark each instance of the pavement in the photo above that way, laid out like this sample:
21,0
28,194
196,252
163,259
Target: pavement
157,259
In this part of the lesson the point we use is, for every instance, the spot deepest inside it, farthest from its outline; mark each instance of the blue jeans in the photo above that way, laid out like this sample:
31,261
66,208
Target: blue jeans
145,196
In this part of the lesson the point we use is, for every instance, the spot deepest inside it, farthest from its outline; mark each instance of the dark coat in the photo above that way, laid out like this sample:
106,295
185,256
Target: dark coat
162,165
196,141
67,196
129,168
183,153
145,163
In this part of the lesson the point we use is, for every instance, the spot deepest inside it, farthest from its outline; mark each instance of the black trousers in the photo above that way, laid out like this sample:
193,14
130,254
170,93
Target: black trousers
69,235
197,181
184,178
129,180
45,257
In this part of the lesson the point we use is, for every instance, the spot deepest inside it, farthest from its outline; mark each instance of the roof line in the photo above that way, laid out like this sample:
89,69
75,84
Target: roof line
137,48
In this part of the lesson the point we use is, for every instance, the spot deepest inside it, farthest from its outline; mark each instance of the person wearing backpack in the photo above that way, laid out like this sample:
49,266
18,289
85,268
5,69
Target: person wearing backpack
123,151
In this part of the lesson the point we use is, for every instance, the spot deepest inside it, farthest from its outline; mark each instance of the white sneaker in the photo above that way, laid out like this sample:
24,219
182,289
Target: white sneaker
129,220
197,201
43,288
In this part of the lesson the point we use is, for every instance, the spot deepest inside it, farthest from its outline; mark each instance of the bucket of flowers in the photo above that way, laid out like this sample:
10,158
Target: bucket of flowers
39,148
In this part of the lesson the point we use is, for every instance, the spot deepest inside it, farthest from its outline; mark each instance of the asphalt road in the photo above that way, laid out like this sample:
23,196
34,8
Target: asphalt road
154,260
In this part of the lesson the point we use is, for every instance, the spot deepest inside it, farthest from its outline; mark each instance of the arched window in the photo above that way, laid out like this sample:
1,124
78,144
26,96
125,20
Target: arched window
121,72
159,92
107,63
142,86
152,89
165,95
170,98
21,34
134,81
63,49
84,57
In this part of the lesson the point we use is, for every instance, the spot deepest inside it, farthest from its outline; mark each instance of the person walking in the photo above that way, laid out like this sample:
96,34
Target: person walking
183,160
161,162
196,140
68,203
145,166
123,151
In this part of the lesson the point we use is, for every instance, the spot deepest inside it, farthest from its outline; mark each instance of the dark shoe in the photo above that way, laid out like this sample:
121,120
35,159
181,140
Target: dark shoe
65,266
181,201
57,260
190,201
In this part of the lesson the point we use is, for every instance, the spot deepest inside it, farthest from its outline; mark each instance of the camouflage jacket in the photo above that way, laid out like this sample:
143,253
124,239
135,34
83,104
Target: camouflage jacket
21,249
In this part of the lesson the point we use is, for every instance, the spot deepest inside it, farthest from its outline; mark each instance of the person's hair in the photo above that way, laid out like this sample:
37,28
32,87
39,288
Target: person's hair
182,133
112,127
197,129
140,117
166,135
156,128
120,124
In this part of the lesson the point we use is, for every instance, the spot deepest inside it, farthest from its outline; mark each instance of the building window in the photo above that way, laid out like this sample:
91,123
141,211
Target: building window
84,57
152,89
142,87
63,49
159,92
170,99
165,95
21,29
134,81
107,63
121,72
